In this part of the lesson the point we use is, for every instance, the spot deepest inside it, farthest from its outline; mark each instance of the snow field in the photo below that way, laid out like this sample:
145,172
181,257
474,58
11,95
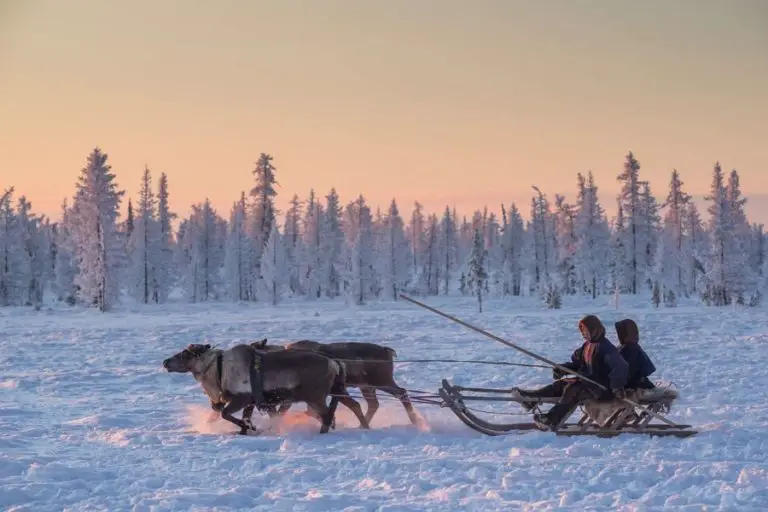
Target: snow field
90,421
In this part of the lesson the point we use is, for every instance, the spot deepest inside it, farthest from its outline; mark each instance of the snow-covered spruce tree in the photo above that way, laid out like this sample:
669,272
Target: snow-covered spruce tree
717,292
416,235
430,273
129,220
513,241
293,246
359,251
263,194
565,244
237,257
11,253
165,273
649,221
492,235
394,254
332,244
273,267
757,254
466,238
314,241
765,278
542,239
554,297
448,244
631,206
35,251
98,248
666,264
593,237
621,270
671,261
144,244
378,247
477,272
741,276
656,294
48,233
65,267
201,241
757,262
697,247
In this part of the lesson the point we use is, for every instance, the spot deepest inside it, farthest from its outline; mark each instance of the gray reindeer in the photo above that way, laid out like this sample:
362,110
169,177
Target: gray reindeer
242,378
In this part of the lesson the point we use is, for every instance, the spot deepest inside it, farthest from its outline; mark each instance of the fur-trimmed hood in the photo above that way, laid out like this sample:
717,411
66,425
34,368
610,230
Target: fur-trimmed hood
627,331
594,328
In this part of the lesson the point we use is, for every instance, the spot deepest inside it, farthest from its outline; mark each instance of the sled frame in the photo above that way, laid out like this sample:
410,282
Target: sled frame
623,420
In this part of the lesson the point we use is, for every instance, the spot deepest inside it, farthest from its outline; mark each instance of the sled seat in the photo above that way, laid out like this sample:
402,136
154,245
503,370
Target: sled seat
614,412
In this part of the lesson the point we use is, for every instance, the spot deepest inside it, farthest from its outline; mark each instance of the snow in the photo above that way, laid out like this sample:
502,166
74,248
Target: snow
90,421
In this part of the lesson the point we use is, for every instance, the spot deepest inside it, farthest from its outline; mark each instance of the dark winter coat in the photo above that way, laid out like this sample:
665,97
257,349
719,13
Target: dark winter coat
598,359
640,365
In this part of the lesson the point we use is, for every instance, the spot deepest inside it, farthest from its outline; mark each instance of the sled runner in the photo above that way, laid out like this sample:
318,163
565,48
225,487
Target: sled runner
599,418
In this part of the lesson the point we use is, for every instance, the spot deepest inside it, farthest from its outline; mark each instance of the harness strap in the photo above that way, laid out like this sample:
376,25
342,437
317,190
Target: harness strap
219,365
257,379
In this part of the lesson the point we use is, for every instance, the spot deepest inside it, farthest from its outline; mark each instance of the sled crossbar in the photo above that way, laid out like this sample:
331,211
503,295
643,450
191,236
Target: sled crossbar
622,419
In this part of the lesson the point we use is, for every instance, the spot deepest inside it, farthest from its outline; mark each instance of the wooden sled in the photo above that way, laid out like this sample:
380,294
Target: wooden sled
599,418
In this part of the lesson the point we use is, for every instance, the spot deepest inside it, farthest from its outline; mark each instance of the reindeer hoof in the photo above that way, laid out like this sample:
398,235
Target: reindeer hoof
248,432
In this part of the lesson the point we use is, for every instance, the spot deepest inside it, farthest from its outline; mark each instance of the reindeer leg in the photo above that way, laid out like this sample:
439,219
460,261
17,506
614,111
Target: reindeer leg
312,413
234,405
248,415
330,418
373,403
340,394
402,395
215,413
323,413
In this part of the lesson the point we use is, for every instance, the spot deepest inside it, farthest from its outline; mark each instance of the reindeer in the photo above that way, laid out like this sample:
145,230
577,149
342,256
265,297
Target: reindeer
241,377
369,367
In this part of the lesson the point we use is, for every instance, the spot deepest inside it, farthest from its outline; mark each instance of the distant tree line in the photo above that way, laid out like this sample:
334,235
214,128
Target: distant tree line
326,249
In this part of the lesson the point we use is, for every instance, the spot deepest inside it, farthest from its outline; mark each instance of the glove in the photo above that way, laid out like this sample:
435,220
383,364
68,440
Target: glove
619,393
557,374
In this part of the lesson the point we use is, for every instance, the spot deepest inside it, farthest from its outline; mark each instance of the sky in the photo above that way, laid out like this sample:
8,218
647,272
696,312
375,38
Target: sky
446,102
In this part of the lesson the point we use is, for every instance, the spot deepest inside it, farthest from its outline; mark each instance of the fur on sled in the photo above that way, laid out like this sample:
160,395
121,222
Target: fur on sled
600,411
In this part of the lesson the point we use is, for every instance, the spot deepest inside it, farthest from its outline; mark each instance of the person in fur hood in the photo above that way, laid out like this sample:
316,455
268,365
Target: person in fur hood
640,365
597,359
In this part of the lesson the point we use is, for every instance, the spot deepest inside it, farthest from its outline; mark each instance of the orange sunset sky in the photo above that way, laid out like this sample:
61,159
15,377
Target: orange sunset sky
448,102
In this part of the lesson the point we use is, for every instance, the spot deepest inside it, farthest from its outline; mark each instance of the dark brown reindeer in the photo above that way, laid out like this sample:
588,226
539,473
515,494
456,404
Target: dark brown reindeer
276,395
369,367
241,378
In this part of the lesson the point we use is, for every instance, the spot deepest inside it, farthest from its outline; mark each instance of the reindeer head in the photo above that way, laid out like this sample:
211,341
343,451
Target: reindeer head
185,360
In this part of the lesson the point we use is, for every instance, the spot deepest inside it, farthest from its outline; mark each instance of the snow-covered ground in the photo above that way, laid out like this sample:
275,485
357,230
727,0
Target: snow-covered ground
89,420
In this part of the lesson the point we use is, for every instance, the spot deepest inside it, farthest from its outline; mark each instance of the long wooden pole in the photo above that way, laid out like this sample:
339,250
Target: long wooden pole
533,355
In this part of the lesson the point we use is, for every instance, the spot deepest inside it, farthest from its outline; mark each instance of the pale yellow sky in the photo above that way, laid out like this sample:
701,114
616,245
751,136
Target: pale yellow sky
458,102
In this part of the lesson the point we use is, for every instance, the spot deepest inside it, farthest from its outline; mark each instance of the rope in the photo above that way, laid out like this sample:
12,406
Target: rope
498,413
432,400
473,361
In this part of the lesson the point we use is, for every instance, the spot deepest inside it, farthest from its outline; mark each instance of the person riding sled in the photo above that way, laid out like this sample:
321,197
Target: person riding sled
597,359
640,365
